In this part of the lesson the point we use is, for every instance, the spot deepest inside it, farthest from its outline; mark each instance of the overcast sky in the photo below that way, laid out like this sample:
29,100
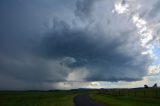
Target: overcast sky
65,44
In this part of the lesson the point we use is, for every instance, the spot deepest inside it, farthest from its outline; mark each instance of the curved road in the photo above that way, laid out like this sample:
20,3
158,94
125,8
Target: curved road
84,100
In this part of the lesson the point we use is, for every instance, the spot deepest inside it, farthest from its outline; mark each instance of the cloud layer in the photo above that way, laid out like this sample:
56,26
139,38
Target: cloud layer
87,42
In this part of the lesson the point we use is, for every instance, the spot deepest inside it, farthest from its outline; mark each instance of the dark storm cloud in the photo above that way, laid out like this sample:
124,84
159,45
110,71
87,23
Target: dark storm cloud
100,55
21,29
84,8
155,10
32,54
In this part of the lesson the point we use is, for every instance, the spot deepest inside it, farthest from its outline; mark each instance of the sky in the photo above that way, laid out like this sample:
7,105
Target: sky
68,44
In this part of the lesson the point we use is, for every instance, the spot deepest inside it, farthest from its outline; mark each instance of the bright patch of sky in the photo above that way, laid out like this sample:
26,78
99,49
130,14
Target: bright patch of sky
145,32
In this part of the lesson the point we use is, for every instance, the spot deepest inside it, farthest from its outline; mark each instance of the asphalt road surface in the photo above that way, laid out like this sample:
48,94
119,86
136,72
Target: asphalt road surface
84,100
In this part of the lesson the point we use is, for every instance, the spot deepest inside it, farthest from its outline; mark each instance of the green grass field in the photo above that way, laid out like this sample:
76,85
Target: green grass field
54,98
138,97
113,97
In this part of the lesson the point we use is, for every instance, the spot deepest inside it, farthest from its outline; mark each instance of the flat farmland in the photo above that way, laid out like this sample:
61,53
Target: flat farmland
54,98
128,97
96,97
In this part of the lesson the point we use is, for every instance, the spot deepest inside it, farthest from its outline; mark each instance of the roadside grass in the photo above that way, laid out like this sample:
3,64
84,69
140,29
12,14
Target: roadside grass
54,98
132,100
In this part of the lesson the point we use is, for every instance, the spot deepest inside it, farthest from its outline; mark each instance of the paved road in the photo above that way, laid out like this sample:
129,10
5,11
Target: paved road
84,100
